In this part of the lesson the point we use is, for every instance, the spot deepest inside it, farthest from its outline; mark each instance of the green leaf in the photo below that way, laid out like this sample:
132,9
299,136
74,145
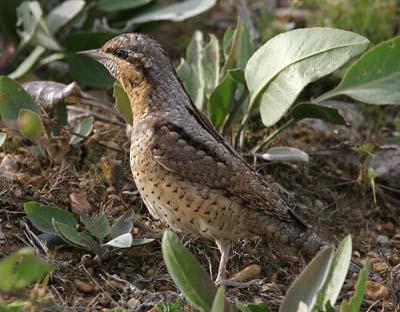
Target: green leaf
88,73
252,307
3,137
122,102
21,269
337,273
219,301
175,12
190,71
63,13
307,285
30,124
210,65
119,5
84,127
220,100
122,241
241,47
281,68
13,98
123,225
34,27
99,226
28,62
42,215
227,41
237,74
374,78
70,235
354,304
285,154
76,42
311,110
188,275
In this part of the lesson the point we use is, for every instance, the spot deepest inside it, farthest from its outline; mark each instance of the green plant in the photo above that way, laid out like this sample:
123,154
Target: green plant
170,306
55,221
371,18
269,81
18,271
315,289
51,33
48,129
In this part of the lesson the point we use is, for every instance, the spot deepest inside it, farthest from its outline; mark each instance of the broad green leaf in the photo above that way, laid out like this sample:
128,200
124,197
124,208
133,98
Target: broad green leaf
42,215
123,225
240,47
227,41
354,303
8,19
311,110
175,12
34,27
84,127
187,273
28,62
337,273
285,154
281,68
91,243
63,13
3,137
88,73
190,71
122,102
118,5
210,65
219,102
307,285
70,235
80,41
252,307
237,74
21,269
219,301
31,125
98,226
374,78
13,98
122,241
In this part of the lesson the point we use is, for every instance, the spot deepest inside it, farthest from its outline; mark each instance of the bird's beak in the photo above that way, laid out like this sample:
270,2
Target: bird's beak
96,54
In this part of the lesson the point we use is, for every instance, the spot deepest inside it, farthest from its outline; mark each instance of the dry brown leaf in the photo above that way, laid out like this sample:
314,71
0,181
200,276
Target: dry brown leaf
79,203
376,291
247,273
83,286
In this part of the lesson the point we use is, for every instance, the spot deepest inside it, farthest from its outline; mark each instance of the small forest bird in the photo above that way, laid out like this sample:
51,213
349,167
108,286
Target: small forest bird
186,172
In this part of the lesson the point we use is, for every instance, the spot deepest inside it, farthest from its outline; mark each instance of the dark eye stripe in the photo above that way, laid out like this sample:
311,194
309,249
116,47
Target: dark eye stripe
121,53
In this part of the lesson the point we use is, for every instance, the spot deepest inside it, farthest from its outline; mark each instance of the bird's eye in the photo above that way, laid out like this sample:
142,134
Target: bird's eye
121,53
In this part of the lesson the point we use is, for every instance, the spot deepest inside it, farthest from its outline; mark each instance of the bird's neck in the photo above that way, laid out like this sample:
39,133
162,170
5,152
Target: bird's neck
153,95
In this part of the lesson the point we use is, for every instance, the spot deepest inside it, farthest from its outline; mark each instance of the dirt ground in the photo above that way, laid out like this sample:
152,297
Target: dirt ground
326,192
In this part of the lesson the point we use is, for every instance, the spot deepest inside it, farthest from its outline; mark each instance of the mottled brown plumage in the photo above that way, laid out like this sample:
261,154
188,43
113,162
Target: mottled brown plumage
185,171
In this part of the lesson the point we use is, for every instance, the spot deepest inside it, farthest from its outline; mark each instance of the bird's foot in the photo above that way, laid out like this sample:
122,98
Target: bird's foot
236,284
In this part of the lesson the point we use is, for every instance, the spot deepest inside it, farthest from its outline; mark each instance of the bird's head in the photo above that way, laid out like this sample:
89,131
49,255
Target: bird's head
131,58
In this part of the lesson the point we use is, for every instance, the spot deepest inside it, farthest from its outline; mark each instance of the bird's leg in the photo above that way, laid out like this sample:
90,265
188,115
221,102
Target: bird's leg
224,247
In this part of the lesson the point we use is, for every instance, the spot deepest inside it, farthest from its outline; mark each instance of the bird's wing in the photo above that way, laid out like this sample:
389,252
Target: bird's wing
190,151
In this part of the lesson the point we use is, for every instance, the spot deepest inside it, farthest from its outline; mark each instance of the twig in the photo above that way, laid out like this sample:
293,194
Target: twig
95,115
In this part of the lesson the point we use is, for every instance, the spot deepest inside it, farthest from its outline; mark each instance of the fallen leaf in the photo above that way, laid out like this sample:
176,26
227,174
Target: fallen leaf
247,273
376,291
83,286
79,203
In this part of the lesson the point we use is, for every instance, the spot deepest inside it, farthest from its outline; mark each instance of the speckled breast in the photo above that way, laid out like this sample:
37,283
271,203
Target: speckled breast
183,205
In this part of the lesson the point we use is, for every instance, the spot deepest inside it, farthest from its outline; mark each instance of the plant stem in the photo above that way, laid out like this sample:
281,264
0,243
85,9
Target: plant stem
273,134
325,96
